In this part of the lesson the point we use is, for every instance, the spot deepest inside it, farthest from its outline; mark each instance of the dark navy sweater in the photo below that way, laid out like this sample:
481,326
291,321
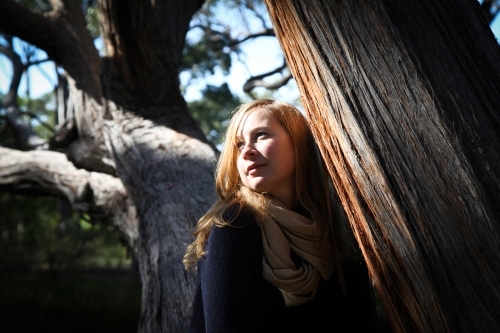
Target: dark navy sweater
232,296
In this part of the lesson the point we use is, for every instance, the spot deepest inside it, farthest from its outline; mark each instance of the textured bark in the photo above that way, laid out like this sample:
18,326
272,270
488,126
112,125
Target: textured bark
403,101
169,176
89,156
160,154
100,195
132,122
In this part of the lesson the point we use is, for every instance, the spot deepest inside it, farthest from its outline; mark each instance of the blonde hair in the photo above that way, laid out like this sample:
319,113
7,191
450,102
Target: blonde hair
312,190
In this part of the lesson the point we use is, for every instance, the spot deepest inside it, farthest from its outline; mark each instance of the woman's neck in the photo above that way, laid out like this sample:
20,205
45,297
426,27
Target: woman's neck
286,203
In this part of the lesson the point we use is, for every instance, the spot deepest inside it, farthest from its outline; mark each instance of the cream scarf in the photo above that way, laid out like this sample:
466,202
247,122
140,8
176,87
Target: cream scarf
284,231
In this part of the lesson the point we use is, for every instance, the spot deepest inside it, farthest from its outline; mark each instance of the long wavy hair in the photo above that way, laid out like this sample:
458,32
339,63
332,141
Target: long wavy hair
313,189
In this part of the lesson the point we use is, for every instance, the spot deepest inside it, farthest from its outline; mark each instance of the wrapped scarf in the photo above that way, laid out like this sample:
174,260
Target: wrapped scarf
284,231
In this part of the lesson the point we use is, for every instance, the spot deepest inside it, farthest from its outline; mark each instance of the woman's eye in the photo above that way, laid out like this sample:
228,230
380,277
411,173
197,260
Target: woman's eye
260,134
240,144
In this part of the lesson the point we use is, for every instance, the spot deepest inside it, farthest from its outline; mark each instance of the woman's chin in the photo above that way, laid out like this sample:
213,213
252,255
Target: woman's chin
258,187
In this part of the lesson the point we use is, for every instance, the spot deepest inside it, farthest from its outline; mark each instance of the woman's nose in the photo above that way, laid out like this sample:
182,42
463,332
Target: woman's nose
248,150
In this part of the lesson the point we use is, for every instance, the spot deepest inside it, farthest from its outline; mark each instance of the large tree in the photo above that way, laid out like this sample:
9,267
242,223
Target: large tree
140,160
404,101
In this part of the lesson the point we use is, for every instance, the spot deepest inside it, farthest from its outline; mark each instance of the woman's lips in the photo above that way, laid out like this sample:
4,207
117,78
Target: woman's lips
254,168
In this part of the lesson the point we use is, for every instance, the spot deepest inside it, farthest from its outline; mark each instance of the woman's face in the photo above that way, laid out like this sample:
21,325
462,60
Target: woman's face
266,159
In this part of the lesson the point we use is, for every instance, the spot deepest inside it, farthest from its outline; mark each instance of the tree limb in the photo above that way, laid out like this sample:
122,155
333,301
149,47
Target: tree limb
257,81
225,34
268,32
37,62
44,124
101,196
250,5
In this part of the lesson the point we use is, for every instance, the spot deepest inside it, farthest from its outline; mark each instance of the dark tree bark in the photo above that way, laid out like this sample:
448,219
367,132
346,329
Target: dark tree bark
404,102
133,123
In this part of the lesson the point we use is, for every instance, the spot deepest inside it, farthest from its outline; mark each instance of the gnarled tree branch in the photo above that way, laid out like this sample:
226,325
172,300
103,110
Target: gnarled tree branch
101,196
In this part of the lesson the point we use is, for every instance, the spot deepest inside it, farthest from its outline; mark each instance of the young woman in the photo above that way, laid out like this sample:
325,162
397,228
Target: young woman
272,251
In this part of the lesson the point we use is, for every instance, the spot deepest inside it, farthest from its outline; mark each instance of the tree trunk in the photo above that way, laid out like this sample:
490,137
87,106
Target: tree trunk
168,175
403,100
132,122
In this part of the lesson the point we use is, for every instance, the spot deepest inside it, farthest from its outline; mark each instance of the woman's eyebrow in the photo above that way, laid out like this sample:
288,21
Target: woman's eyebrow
253,130
264,127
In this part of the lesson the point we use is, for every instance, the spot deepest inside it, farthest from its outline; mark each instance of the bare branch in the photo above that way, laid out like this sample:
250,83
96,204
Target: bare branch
258,81
225,33
264,33
44,124
251,84
37,62
251,6
101,196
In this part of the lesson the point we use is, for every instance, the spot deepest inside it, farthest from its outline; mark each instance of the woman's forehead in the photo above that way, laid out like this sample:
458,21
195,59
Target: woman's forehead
253,118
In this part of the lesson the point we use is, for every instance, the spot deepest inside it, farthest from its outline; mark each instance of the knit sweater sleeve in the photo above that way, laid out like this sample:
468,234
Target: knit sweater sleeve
226,277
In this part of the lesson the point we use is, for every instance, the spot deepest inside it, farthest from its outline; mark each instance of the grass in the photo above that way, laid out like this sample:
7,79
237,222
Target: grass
81,302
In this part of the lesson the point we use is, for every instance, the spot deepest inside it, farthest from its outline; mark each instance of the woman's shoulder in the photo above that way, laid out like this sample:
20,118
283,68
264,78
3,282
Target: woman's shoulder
238,225
238,215
238,233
